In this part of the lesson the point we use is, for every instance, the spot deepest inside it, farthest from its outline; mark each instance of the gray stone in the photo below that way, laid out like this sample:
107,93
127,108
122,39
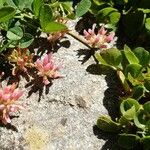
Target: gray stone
64,117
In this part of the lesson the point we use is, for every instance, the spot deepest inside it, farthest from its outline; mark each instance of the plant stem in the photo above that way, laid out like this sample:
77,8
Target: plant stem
80,39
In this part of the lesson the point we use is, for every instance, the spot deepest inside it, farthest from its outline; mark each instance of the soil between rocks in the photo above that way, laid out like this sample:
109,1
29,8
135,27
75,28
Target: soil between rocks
63,115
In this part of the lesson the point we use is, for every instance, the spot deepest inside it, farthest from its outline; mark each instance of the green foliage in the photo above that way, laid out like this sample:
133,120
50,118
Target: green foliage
128,141
82,7
6,13
130,17
107,125
132,67
14,33
133,71
22,20
132,117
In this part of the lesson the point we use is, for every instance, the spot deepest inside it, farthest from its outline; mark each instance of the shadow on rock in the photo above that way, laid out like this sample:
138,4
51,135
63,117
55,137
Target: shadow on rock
9,126
111,139
110,101
42,45
111,98
86,53
37,85
85,23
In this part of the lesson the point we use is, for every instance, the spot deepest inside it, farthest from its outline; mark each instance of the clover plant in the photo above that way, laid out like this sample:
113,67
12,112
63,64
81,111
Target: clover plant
23,20
131,18
133,70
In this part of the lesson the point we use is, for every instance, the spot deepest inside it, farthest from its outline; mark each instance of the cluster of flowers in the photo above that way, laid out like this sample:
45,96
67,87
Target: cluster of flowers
102,39
47,69
22,59
8,102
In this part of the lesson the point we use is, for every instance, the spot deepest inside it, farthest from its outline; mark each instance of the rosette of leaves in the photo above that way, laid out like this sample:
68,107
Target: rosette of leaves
132,68
131,17
23,20
133,127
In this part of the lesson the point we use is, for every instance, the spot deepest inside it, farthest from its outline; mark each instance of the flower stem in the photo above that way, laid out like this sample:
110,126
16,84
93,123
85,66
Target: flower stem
80,39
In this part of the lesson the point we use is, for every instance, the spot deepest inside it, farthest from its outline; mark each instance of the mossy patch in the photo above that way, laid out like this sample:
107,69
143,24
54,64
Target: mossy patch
37,138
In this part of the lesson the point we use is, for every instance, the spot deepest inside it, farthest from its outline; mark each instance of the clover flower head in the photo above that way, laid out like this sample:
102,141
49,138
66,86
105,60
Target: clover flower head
8,102
47,69
102,39
21,60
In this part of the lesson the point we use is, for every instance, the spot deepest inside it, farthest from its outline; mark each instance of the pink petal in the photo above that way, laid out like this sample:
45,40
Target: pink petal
13,86
6,119
14,108
56,75
45,81
103,46
17,94
10,88
7,89
1,93
48,67
38,64
97,39
85,33
90,31
2,107
45,60
102,31
110,37
6,97
93,27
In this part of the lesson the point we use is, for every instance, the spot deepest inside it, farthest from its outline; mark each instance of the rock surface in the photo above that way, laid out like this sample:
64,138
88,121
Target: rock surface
61,116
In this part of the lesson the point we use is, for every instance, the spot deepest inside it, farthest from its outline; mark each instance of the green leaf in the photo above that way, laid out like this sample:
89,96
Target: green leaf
10,3
68,9
46,15
99,2
123,81
128,141
5,46
142,55
6,13
21,4
146,142
14,44
83,7
128,104
26,41
37,4
1,3
106,124
131,21
128,109
135,81
100,59
109,15
15,33
54,27
133,69
132,59
146,107
147,24
138,92
148,127
147,84
139,119
112,56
